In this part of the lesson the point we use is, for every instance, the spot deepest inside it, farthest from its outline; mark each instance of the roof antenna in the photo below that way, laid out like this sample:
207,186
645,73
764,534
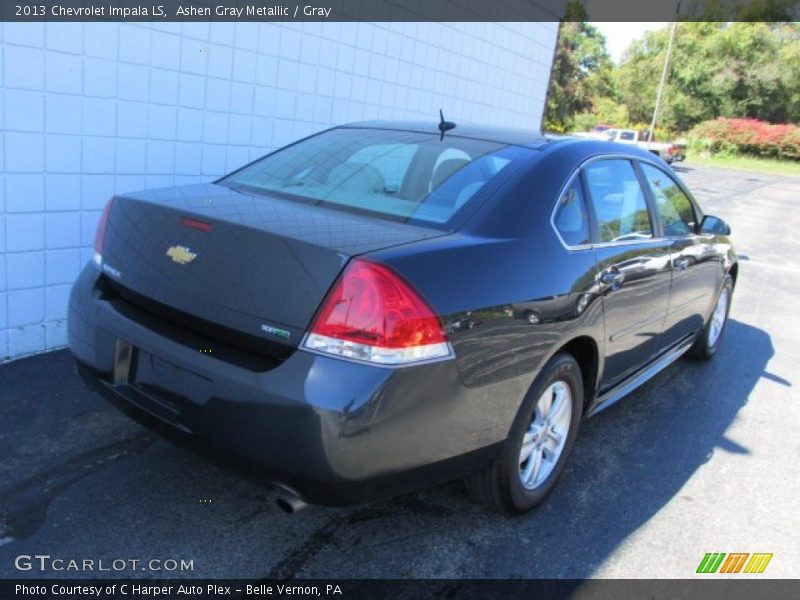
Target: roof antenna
444,125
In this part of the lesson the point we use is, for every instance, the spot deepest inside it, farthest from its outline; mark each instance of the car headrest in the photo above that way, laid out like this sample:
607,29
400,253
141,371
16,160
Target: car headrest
445,169
356,177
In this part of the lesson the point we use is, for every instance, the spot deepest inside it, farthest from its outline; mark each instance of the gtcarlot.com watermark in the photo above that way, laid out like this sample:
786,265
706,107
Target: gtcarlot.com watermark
45,563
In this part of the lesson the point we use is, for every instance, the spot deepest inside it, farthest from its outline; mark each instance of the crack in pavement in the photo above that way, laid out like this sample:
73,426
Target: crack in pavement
23,507
323,536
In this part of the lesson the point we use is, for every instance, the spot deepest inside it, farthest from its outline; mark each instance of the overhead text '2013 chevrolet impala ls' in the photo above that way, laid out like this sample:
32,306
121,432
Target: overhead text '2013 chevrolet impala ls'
384,306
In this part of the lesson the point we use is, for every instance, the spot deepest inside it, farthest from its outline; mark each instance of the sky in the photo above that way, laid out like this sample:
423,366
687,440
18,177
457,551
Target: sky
620,35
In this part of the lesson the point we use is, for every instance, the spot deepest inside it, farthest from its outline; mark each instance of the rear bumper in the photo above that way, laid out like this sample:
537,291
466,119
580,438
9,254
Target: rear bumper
335,432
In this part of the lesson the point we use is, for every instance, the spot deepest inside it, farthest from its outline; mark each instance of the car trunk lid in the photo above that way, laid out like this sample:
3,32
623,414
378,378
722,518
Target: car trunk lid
258,266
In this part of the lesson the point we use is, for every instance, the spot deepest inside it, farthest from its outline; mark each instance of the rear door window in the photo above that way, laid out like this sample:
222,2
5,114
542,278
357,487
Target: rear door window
618,201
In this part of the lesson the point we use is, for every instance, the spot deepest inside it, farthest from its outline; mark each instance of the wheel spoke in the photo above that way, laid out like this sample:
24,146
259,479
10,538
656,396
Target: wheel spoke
560,405
546,402
554,436
532,468
527,450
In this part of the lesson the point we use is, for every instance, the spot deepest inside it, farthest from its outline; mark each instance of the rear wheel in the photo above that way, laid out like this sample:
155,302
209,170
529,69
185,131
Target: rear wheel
709,338
539,443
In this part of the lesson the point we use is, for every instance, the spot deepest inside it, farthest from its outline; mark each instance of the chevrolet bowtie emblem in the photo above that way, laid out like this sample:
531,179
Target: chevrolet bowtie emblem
181,254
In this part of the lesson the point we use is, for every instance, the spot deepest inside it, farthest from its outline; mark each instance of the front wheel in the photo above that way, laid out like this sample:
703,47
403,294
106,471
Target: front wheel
709,338
541,438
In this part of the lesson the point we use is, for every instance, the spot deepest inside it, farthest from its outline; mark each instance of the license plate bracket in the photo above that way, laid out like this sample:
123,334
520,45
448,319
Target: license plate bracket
125,357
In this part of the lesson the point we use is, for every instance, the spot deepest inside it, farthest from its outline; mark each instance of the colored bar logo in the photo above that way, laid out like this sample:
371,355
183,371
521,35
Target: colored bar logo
734,562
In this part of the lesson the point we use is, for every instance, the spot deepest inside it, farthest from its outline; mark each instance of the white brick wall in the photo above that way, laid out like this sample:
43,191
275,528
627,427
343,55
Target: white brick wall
88,110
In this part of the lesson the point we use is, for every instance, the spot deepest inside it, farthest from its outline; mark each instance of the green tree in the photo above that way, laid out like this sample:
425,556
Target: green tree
788,40
604,110
717,69
581,70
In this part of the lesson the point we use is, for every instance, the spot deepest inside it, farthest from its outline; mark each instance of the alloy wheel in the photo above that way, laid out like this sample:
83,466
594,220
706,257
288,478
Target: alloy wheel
718,318
546,436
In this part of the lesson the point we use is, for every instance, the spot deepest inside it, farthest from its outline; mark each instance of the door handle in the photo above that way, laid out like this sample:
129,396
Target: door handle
681,263
613,278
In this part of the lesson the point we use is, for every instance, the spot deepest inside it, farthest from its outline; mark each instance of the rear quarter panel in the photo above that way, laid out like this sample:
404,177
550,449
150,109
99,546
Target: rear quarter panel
504,266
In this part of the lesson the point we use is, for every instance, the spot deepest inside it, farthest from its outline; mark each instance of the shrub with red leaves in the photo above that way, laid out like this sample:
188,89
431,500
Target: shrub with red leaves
747,136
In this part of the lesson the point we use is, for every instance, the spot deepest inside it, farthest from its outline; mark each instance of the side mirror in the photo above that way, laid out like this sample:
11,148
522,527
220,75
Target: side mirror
711,225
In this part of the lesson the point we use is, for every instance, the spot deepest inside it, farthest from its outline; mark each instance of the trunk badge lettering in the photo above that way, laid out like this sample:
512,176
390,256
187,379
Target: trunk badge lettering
181,254
281,333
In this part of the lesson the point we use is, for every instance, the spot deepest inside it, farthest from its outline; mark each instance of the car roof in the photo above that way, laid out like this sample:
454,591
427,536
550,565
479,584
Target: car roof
531,138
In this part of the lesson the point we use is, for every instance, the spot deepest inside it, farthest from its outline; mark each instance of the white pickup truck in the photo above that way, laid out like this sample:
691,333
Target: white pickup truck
672,152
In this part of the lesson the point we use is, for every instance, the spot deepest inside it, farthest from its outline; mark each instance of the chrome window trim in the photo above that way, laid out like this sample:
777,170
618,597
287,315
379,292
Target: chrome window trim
575,174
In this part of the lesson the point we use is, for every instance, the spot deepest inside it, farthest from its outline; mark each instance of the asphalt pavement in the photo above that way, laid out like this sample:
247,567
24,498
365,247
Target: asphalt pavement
703,458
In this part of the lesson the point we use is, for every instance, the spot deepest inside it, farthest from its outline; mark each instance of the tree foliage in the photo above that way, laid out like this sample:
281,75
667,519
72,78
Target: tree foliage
717,69
604,110
737,69
581,70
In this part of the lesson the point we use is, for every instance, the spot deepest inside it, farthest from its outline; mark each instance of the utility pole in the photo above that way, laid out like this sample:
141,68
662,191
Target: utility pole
661,85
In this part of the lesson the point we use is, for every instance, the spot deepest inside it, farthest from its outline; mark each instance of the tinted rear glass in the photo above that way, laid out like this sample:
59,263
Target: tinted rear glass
409,176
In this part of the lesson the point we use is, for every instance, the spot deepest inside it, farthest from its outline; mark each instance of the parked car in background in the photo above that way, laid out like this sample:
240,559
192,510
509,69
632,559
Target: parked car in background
668,152
385,306
598,132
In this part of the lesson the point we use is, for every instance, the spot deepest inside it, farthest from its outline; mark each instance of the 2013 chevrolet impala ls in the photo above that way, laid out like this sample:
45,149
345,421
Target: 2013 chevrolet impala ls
384,306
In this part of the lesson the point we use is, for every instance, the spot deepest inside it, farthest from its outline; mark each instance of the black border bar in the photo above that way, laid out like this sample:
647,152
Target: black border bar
708,587
397,10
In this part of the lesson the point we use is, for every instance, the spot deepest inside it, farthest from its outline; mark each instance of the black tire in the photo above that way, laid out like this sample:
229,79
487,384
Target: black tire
499,485
703,348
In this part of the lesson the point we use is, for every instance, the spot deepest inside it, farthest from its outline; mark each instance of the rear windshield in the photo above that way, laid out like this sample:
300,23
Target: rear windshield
403,175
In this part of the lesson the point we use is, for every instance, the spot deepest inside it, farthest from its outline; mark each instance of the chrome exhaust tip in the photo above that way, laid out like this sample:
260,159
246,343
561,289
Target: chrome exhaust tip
288,501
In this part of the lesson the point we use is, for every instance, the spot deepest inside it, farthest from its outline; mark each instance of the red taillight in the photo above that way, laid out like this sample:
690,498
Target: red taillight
100,234
672,150
372,314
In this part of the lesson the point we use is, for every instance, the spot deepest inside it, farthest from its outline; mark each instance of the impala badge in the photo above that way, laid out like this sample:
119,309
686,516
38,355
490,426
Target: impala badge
281,333
181,254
